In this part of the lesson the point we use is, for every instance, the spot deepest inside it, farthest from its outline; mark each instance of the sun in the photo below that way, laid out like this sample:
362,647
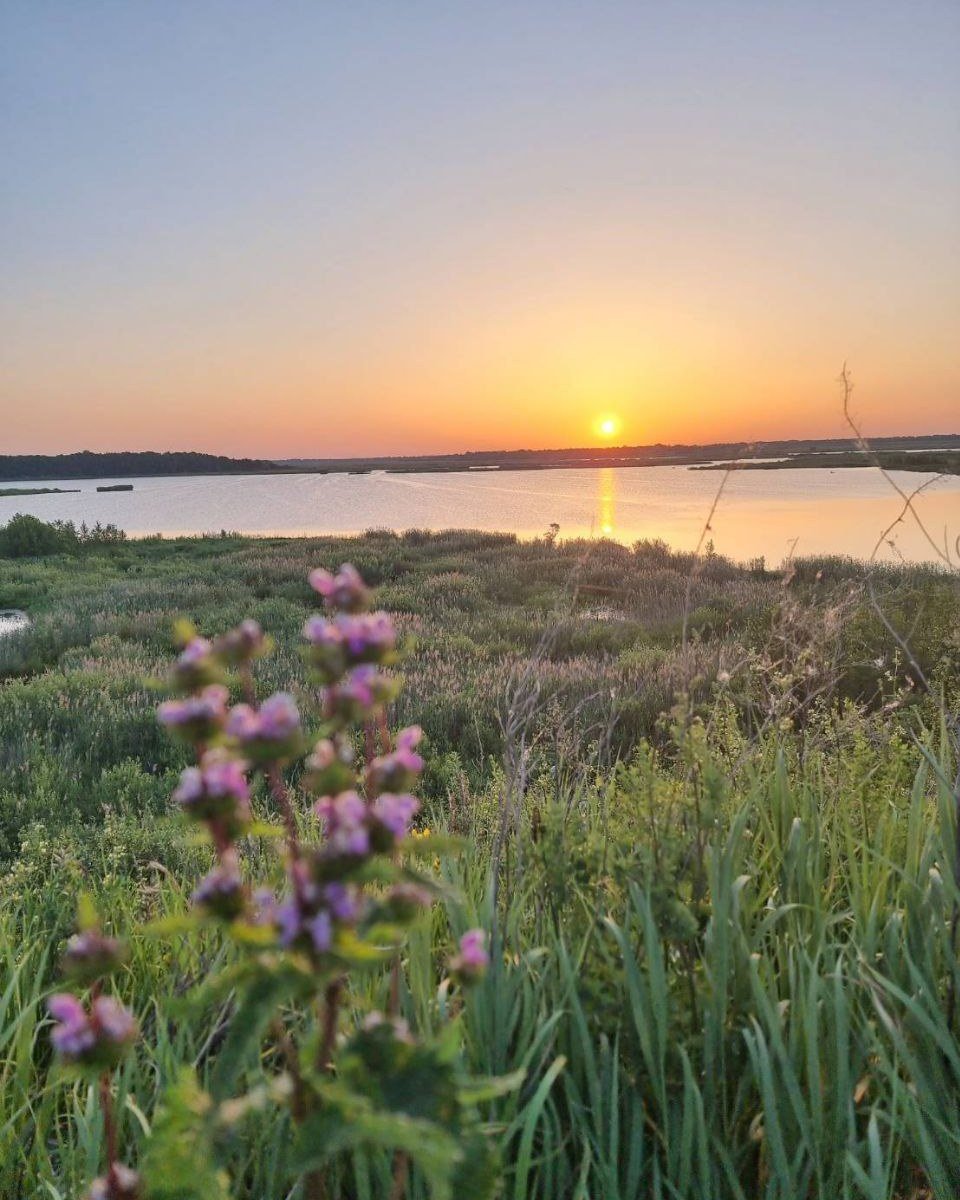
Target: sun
607,425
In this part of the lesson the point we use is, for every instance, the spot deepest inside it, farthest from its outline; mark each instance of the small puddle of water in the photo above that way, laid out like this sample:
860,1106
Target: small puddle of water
12,620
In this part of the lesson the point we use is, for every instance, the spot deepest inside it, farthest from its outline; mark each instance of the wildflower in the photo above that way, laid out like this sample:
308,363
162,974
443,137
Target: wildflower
196,718
279,717
196,667
264,907
357,696
269,733
221,893
90,955
344,818
327,651
301,923
216,790
242,644
398,771
345,590
368,638
471,963
120,1183
392,814
97,1038
343,900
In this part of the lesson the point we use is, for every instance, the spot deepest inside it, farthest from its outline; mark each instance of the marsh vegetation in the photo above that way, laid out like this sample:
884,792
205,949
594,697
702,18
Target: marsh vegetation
707,811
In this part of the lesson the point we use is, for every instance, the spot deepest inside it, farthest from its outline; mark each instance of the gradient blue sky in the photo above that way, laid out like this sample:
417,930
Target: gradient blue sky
296,228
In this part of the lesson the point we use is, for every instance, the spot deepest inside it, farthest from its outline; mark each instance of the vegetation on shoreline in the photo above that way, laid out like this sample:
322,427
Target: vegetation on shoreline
939,462
86,465
4,492
707,810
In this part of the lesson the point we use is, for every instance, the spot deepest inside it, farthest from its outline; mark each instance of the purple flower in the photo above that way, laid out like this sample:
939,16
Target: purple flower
73,1036
398,771
265,909
327,651
356,697
196,718
221,893
279,718
216,790
343,900
304,921
288,921
242,644
268,733
90,955
394,812
345,590
320,929
96,1038
196,665
471,963
113,1021
344,818
349,641
367,638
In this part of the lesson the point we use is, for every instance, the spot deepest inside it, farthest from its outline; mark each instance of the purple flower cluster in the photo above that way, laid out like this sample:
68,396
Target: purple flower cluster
355,697
270,733
349,641
221,892
196,666
97,1037
309,919
399,770
471,963
345,824
216,790
353,827
392,814
196,718
242,644
90,954
345,590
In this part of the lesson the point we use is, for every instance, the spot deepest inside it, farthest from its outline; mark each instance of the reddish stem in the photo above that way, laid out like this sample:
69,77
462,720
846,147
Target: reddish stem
109,1125
281,798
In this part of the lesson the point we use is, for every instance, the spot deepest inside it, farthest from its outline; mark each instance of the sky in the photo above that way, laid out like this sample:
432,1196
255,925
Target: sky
295,229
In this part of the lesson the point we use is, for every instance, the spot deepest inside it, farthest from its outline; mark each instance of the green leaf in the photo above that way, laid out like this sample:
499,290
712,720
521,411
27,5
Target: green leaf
179,1162
348,1121
254,1014
482,1089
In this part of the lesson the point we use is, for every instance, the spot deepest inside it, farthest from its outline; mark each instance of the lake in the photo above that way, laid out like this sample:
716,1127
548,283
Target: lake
841,511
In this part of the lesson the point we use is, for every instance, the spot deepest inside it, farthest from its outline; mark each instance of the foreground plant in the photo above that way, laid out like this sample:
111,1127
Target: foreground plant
351,892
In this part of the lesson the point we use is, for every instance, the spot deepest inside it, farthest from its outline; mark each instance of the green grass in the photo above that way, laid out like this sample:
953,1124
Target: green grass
725,870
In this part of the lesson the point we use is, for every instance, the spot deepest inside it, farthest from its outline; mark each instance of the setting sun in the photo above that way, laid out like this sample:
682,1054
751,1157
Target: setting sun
607,426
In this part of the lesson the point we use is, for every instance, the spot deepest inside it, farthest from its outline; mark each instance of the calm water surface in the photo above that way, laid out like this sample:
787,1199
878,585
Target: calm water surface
760,512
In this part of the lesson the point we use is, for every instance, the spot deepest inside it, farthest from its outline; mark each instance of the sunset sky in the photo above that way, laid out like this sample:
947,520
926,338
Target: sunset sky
317,229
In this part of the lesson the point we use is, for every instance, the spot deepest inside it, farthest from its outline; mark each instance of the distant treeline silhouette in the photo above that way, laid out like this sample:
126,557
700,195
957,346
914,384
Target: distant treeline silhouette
86,465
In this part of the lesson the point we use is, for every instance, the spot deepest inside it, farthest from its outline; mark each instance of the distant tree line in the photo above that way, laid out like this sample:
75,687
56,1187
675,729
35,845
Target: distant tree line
87,465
